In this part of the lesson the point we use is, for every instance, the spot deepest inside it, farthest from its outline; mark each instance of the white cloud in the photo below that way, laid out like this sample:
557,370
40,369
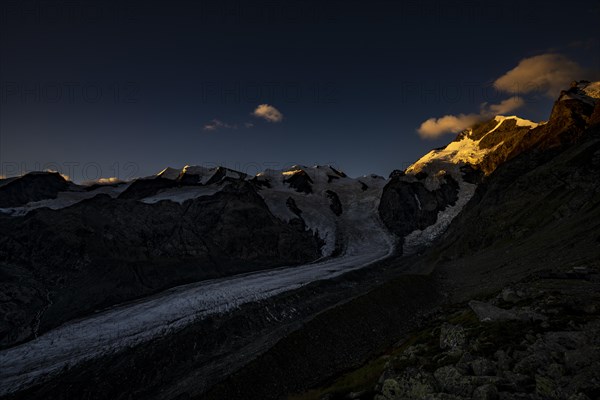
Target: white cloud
547,73
268,113
436,127
505,106
264,111
216,124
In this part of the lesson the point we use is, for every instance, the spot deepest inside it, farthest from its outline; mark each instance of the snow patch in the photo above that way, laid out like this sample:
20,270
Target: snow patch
458,153
180,195
519,121
418,201
65,199
588,92
592,89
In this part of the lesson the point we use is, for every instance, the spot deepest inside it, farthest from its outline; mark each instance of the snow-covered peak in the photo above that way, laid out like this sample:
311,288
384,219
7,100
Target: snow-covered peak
311,192
174,173
197,170
169,173
519,121
203,174
466,149
317,173
588,92
591,89
458,152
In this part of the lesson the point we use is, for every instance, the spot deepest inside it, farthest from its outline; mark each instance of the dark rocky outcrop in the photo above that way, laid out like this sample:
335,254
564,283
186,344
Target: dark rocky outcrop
142,188
293,207
4,181
421,175
396,174
568,120
338,173
260,182
540,341
331,178
33,187
544,190
104,251
471,175
408,205
95,186
217,175
221,175
336,204
300,181
552,357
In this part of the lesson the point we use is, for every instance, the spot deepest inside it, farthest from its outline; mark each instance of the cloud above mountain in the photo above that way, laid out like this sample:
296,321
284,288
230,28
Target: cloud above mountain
505,106
435,127
217,124
268,113
263,111
545,73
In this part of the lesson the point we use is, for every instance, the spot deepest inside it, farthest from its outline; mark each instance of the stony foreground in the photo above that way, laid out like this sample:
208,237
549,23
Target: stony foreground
539,339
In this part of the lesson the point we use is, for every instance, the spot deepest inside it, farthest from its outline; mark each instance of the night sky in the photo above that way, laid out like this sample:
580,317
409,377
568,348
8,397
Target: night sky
99,89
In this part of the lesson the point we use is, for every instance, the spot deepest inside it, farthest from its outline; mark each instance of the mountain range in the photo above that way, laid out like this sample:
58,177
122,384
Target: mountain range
89,272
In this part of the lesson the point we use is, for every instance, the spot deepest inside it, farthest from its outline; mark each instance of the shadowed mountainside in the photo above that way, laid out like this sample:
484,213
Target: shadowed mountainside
532,222
60,264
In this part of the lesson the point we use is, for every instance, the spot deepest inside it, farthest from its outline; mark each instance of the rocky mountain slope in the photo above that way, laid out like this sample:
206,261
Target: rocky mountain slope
526,249
418,204
61,264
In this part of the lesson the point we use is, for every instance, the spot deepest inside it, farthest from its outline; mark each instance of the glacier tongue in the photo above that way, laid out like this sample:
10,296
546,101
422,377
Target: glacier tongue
359,227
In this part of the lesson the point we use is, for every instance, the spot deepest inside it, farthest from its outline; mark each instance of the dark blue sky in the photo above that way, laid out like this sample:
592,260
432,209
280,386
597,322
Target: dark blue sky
101,88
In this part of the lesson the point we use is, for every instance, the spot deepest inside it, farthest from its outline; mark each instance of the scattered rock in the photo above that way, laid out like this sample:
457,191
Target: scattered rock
453,382
452,336
527,363
510,296
504,360
581,357
483,367
487,312
579,396
485,392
